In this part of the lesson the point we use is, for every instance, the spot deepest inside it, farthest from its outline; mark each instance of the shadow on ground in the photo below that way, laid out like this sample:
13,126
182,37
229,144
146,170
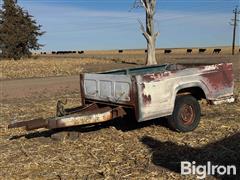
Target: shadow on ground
72,133
169,155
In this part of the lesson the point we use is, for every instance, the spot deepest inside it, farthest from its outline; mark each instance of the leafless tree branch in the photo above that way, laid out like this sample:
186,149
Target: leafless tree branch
148,31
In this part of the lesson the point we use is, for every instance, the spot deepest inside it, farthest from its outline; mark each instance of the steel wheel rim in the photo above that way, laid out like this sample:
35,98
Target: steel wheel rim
187,114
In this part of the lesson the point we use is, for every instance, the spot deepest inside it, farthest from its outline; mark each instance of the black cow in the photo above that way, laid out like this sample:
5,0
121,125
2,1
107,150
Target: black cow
217,51
80,52
189,51
167,51
120,51
60,52
202,50
53,52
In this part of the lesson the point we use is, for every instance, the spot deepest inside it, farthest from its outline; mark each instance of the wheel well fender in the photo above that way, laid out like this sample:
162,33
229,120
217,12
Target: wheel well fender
196,89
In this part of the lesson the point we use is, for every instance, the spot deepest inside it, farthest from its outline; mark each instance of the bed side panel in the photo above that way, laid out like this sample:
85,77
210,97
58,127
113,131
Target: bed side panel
155,93
108,88
219,79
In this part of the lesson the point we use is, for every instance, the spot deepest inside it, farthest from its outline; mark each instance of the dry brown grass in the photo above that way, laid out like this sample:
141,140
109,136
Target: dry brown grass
73,64
108,152
44,67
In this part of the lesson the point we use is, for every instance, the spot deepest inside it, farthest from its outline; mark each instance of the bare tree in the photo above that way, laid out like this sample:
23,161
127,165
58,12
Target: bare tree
148,32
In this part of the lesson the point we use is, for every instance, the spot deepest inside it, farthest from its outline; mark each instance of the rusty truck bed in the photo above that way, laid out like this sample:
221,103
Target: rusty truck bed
152,90
144,92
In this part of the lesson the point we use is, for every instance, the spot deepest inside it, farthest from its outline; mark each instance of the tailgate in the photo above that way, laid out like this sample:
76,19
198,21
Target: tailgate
108,88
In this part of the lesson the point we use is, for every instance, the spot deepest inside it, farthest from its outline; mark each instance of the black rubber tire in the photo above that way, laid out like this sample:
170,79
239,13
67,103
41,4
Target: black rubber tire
176,121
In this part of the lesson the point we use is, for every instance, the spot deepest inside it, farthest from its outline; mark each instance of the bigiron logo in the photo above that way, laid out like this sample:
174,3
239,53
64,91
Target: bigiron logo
201,171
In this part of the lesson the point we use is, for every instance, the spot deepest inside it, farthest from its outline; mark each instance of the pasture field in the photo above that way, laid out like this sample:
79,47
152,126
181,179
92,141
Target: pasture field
226,50
118,149
45,65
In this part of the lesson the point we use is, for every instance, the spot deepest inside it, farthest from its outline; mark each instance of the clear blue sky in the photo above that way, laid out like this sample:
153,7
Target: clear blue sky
108,24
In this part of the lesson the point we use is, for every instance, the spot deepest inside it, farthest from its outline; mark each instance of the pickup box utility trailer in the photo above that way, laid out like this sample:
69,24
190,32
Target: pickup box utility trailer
145,93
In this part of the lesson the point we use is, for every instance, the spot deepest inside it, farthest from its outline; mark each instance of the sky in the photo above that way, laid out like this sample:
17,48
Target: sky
113,24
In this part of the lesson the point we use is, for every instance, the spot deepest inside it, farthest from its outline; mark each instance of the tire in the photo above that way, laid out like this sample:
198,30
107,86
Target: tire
186,114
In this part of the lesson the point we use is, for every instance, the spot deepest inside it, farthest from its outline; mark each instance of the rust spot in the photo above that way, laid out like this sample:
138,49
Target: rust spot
228,74
146,99
221,78
155,76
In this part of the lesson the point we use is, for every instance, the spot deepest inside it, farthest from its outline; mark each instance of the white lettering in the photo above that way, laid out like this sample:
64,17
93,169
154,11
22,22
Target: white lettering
186,168
201,171
234,170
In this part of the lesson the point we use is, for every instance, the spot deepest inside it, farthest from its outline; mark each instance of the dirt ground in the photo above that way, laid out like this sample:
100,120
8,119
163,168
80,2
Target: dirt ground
113,150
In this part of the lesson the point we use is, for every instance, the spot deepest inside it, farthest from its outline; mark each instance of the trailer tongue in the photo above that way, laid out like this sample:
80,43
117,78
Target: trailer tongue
88,114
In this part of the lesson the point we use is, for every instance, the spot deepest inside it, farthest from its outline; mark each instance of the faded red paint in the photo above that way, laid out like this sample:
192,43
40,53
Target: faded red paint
228,75
155,76
142,86
146,99
220,79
